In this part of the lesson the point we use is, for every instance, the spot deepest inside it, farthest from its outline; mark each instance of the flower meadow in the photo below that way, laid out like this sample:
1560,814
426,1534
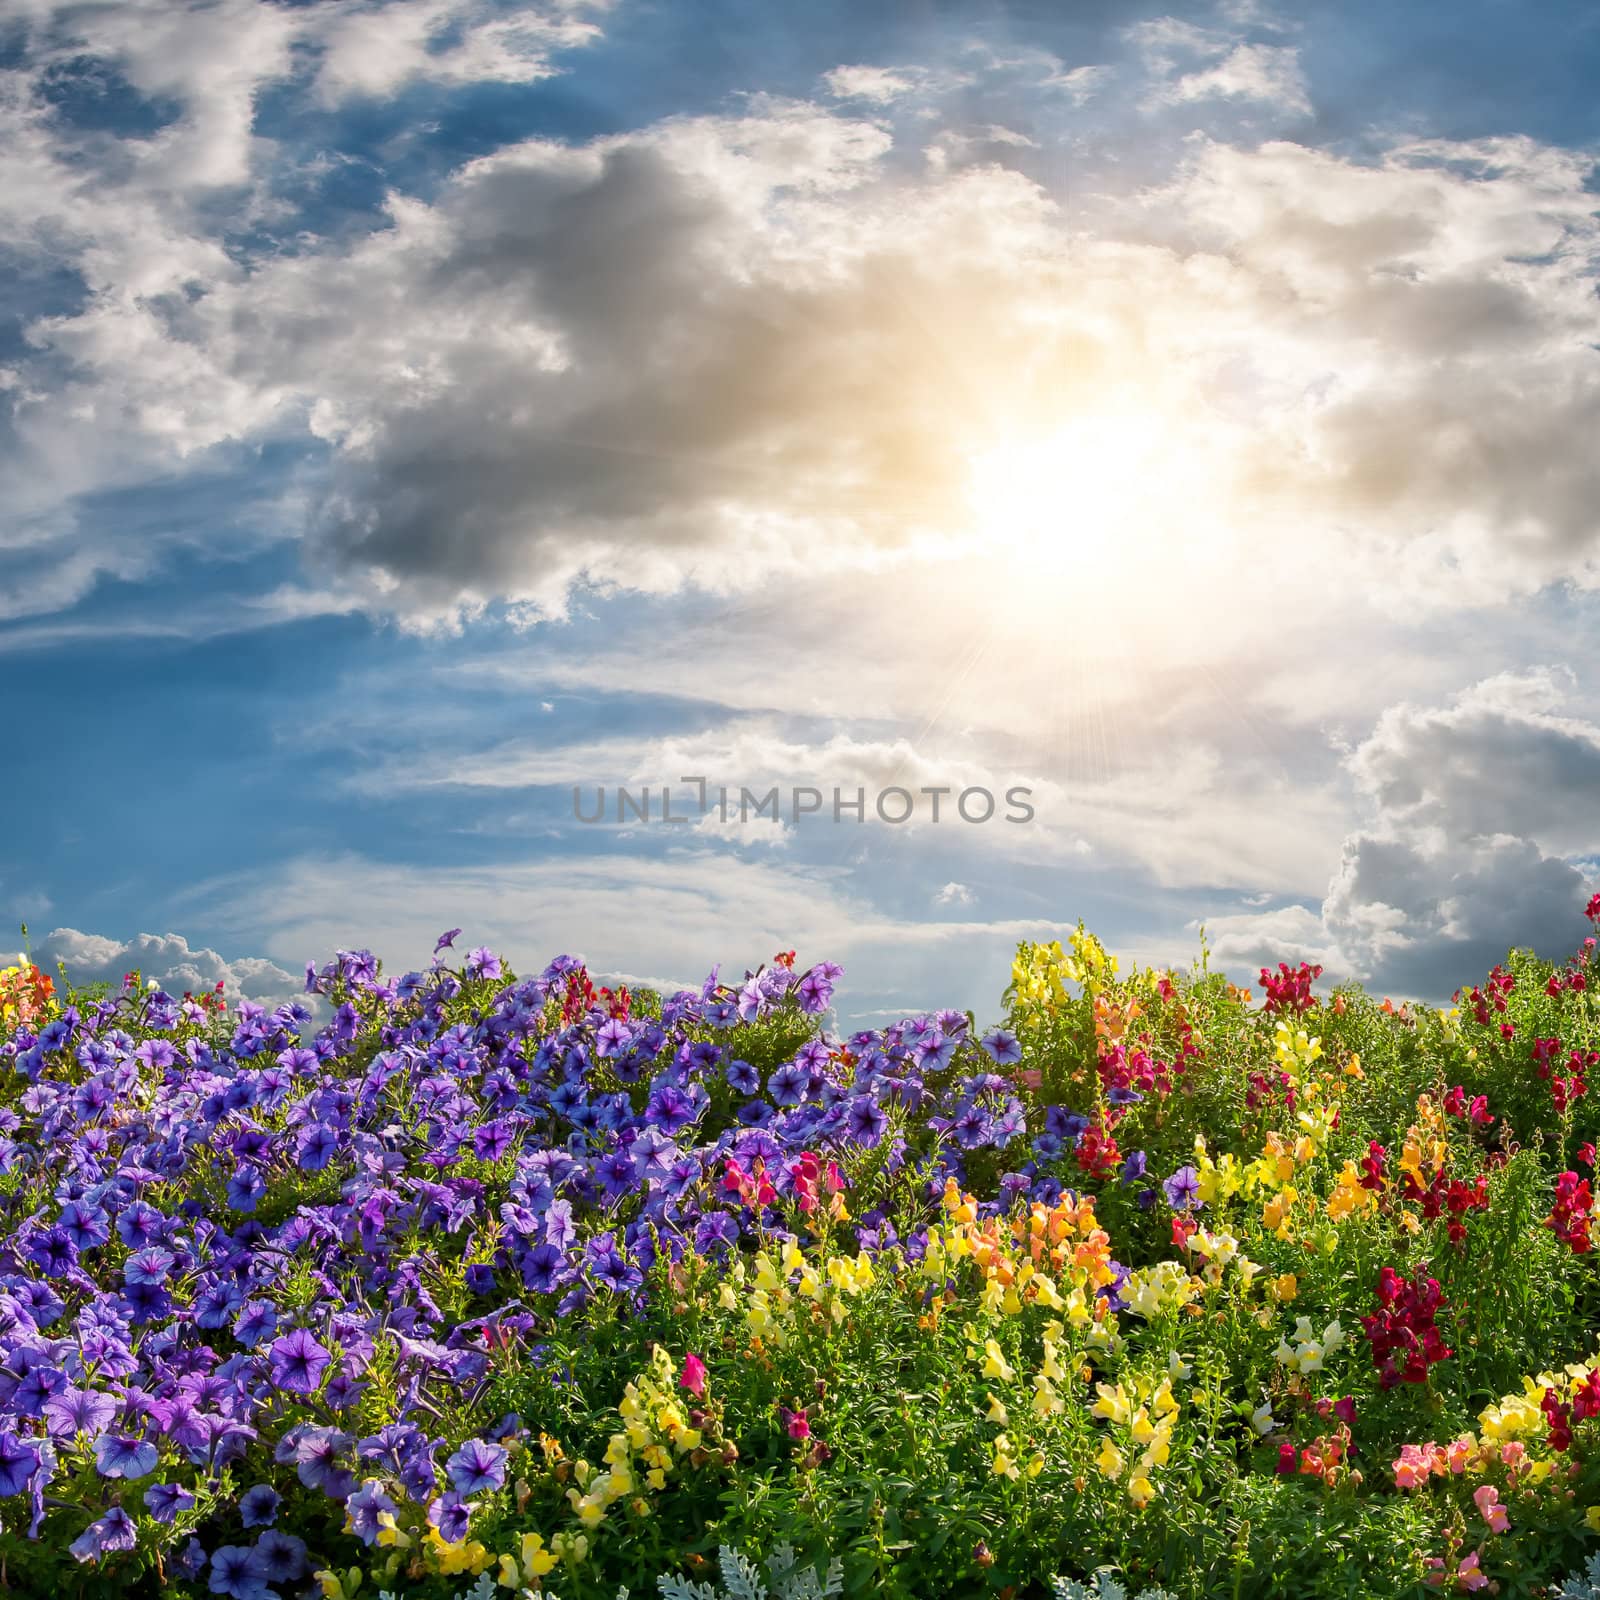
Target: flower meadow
463,1281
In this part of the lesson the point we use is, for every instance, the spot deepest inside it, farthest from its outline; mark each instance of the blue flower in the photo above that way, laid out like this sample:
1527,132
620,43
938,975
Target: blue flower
119,1456
1002,1047
477,1468
258,1507
165,1500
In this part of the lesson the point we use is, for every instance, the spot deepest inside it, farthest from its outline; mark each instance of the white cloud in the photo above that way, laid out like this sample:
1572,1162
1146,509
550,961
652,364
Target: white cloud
167,958
954,894
626,913
371,51
1270,74
716,351
877,84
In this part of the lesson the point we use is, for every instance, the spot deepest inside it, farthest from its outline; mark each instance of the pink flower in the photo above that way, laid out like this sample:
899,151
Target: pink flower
1457,1454
796,1425
1487,1499
1411,1470
694,1375
1469,1575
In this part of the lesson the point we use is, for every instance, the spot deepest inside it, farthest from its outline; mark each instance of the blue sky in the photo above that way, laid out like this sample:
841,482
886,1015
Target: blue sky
410,412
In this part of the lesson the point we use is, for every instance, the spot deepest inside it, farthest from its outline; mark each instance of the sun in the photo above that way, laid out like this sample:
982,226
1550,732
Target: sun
1072,497
1114,511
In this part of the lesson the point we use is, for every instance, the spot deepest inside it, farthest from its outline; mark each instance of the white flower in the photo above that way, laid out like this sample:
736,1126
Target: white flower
1262,1420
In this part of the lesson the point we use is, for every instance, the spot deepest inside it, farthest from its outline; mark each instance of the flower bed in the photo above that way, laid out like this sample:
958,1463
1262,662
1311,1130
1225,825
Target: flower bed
462,1280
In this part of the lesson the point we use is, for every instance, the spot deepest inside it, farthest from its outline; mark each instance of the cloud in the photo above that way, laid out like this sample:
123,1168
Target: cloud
1270,74
1482,814
112,395
167,958
953,894
877,84
372,51
717,350
625,913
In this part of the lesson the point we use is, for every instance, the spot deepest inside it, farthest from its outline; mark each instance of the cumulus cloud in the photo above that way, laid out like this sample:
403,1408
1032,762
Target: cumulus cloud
1482,817
716,349
169,960
954,894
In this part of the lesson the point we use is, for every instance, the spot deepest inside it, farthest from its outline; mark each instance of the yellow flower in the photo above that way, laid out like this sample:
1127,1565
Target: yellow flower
1110,1460
1140,1490
1113,1404
1592,1517
535,1558
1284,1288
995,1364
997,1412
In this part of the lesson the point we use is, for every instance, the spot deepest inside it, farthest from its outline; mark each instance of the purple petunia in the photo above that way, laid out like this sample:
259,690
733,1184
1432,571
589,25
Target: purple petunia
477,1468
114,1531
258,1507
121,1456
298,1362
165,1500
1182,1190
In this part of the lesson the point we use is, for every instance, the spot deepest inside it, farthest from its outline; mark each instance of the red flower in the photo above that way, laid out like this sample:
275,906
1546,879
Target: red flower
693,1377
1404,1339
1290,990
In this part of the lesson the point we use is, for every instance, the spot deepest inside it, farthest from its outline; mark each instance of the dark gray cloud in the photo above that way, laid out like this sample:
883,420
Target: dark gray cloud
1484,817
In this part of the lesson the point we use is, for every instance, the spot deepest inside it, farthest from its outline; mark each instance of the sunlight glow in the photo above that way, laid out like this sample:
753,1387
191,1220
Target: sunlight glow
1105,516
1073,497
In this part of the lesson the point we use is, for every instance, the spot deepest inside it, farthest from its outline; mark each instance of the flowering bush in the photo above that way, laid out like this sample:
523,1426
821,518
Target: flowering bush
466,1277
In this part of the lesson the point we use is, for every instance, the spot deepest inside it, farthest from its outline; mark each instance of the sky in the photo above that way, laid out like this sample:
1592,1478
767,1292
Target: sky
420,420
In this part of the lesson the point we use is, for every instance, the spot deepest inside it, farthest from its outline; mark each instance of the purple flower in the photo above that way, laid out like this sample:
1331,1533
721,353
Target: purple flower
363,1509
298,1362
1065,1125
280,1557
75,1411
477,1468
113,1531
491,1141
256,1323
973,1128
447,940
18,1463
1183,1190
483,963
119,1456
612,1038
165,1500
317,1450
742,1077
451,1517
315,1147
789,1083
618,1174
245,1188
866,1120
1002,1047
149,1265
233,1573
258,1507
1134,1167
